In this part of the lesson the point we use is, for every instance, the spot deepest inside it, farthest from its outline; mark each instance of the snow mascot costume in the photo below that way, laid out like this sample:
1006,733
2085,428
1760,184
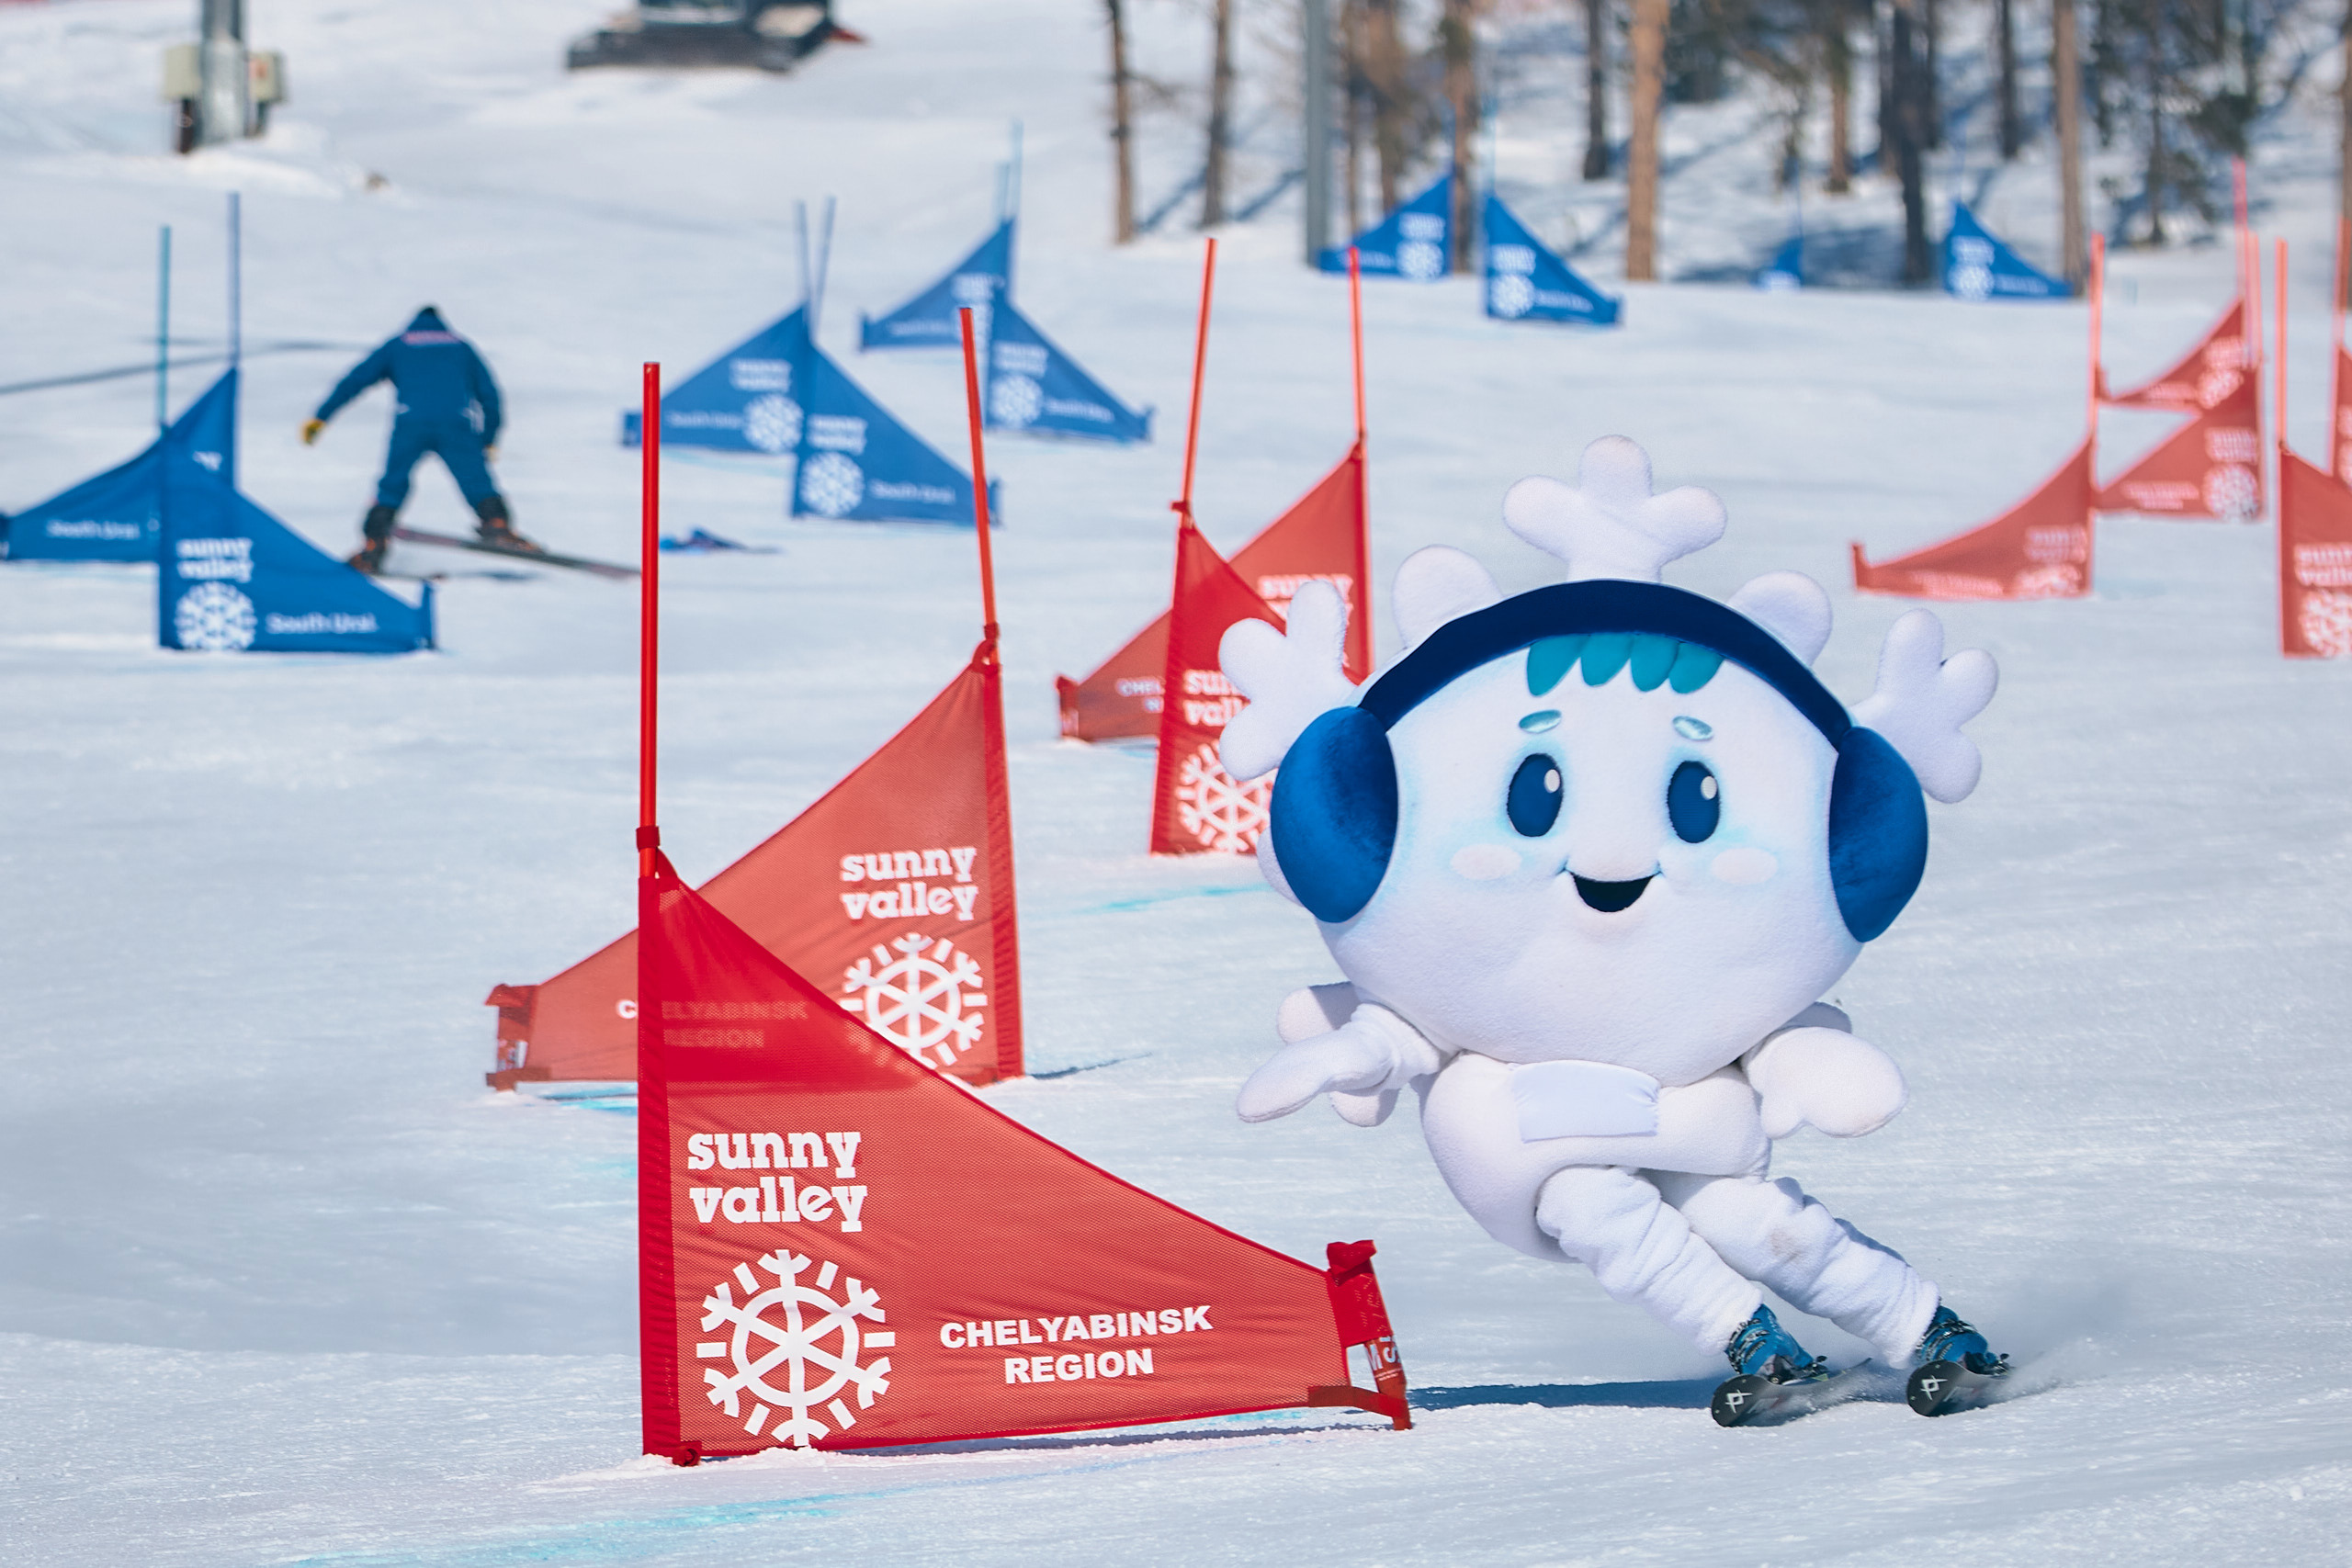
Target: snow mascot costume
1588,857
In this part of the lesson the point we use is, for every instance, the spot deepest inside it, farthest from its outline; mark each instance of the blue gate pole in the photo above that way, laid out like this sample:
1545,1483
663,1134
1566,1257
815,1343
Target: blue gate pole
236,283
163,331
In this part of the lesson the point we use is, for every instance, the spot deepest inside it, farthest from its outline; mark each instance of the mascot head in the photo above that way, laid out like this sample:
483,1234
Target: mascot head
1607,819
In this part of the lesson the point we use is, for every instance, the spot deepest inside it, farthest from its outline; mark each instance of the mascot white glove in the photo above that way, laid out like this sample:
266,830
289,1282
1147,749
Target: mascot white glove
1371,1054
1825,1078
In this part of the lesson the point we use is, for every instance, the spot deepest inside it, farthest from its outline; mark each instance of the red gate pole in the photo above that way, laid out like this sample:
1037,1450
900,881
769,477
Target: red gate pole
2335,329
656,1351
980,472
2279,412
649,660
2099,294
1355,331
1184,504
2279,491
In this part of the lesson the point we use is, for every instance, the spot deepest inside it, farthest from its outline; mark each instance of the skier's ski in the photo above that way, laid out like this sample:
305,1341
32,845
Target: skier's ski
1941,1388
491,576
1753,1400
545,558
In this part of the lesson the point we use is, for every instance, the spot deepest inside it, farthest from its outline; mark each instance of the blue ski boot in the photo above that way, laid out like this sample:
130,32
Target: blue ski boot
1955,1368
1771,1377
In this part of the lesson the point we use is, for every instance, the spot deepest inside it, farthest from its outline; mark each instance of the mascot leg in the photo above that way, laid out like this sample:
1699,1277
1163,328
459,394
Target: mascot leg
1642,1251
1817,1263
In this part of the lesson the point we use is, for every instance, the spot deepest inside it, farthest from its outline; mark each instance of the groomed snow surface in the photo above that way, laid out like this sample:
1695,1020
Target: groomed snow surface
280,1282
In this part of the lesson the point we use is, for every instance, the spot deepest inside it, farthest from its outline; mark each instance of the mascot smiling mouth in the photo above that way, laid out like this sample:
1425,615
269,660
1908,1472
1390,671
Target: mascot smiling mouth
1610,896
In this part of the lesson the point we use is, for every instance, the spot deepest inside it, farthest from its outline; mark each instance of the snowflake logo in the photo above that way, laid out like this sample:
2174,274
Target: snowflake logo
2216,384
1225,814
1015,402
213,617
927,998
783,1328
2232,492
772,423
2326,619
832,485
1420,260
2056,582
1972,280
1508,295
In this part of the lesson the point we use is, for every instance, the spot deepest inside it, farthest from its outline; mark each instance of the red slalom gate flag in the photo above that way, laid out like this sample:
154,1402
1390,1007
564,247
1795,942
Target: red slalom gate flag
1196,806
2209,468
2039,549
2207,376
895,888
1320,538
2314,562
841,1248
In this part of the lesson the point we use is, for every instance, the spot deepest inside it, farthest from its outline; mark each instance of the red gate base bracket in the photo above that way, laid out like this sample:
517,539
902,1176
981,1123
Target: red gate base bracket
1347,1396
506,1079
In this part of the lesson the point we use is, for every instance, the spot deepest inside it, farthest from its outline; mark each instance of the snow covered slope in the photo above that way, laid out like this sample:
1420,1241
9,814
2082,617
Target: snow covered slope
279,1279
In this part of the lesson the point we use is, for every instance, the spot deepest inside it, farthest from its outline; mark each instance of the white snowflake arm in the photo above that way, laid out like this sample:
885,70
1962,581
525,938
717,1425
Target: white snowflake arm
1814,1073
1371,1054
1922,700
1609,524
1318,1009
1289,677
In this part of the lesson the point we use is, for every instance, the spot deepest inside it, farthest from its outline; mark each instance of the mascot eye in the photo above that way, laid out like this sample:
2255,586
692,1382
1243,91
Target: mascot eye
1693,803
1535,799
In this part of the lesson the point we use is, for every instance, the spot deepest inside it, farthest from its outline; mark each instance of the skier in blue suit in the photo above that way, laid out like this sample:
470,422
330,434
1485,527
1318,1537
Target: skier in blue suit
446,402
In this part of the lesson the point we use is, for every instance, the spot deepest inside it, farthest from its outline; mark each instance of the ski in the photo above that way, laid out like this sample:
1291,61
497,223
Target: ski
1753,1400
545,558
1942,1388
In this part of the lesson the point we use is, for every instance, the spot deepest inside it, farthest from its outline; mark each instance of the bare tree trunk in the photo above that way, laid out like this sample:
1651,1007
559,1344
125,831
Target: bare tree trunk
2344,143
1123,211
1883,64
1596,89
1837,64
2006,44
1640,163
2065,64
1384,67
1459,45
1351,41
1220,118
2155,188
1907,120
1931,110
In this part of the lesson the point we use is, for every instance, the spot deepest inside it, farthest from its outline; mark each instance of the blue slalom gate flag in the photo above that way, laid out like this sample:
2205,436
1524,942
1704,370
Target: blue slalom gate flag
1412,242
857,463
928,320
1034,386
745,400
232,579
116,516
1786,269
1979,266
1526,282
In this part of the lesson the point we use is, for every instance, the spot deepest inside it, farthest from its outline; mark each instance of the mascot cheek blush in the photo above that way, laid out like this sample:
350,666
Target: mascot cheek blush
1589,856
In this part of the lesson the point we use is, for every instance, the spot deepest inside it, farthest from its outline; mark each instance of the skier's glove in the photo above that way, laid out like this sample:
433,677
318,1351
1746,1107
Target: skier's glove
1371,1054
311,428
489,454
1824,1079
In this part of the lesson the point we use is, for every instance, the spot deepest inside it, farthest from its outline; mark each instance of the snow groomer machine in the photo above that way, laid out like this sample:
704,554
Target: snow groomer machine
773,35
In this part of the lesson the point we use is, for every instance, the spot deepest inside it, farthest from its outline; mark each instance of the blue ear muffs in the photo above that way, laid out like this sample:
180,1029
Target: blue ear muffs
1878,833
1334,812
1333,817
